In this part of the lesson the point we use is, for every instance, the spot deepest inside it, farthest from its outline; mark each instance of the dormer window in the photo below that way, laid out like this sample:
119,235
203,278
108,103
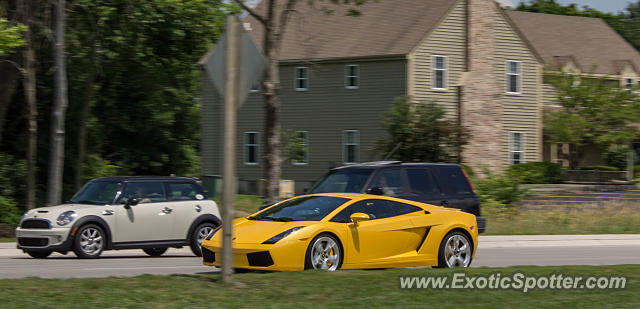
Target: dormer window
629,82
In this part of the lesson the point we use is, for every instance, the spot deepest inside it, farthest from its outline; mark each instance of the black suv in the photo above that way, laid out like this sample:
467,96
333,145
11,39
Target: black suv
436,184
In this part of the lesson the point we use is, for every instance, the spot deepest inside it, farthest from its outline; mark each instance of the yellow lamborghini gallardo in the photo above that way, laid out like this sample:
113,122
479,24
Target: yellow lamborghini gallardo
347,230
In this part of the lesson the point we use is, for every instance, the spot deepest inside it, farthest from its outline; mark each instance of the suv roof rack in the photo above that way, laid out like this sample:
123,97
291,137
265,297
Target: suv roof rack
381,163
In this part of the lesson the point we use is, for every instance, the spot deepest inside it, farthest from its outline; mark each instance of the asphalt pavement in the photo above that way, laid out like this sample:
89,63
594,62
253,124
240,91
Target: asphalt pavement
493,251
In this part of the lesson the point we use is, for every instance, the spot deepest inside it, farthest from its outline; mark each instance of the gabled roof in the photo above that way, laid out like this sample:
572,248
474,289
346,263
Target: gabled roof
589,42
384,28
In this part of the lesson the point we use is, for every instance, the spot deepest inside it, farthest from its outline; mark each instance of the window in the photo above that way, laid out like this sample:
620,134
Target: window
515,147
302,79
402,208
145,192
301,151
456,182
251,148
513,76
629,82
390,181
350,146
422,182
440,72
376,209
183,192
255,88
352,76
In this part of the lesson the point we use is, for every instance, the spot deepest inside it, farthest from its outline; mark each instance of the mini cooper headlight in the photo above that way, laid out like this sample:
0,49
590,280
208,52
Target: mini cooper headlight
282,235
66,217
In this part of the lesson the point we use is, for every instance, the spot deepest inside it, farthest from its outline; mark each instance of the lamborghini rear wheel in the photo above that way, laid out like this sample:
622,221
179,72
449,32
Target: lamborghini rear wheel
455,250
324,252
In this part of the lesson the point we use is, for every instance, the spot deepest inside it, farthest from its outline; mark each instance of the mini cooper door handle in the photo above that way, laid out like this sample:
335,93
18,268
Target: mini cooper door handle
198,208
167,210
107,212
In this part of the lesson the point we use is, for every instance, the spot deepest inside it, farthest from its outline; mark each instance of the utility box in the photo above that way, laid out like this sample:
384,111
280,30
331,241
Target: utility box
287,188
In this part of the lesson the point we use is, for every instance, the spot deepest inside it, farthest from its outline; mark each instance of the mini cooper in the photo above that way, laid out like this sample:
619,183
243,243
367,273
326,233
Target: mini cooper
148,213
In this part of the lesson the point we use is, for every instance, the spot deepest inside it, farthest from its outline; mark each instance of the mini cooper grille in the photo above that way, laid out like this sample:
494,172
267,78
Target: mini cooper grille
33,242
208,256
260,259
35,224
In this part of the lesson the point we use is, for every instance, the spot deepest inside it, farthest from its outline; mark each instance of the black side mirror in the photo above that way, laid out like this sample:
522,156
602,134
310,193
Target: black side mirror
375,191
131,202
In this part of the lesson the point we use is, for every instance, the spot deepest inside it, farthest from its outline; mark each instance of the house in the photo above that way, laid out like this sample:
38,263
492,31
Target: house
339,74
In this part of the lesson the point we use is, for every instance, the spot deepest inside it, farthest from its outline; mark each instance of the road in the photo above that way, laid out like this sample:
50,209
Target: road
493,251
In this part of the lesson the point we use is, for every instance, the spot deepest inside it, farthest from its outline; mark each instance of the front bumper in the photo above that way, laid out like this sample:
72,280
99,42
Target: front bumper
54,239
482,223
289,255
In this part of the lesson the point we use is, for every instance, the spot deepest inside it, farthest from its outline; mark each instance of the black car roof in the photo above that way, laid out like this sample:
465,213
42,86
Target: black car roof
144,178
382,164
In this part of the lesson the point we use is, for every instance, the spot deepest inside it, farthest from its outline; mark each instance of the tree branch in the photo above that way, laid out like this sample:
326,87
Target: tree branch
251,12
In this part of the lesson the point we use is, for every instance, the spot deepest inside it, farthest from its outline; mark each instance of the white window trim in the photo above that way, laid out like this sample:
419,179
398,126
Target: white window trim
518,74
445,72
255,90
245,147
625,83
522,147
296,78
347,76
305,144
344,144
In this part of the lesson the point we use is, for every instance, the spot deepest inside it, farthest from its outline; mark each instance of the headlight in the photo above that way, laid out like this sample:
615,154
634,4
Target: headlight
282,235
213,233
66,217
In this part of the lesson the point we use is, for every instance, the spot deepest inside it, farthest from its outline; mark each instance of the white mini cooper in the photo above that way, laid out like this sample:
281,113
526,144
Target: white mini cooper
149,213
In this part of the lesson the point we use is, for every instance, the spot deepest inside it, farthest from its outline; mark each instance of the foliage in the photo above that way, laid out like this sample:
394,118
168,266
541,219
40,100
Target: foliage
536,172
10,37
294,141
420,132
592,112
618,156
9,212
600,168
499,191
625,23
636,170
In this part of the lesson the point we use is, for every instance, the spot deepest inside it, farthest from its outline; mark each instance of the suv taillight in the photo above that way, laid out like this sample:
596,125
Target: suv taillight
468,180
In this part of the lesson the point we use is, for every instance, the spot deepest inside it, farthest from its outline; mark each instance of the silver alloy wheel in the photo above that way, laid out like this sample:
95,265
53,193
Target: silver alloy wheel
91,241
325,254
203,233
457,251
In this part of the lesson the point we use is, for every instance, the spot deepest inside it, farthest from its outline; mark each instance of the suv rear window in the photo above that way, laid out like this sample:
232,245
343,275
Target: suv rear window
421,182
343,180
454,181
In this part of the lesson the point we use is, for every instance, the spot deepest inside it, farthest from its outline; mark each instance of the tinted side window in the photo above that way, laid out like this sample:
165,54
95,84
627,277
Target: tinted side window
402,208
183,192
146,192
421,182
453,181
390,181
376,209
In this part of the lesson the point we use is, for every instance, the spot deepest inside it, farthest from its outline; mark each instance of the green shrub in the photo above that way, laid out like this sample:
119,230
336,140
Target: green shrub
9,212
617,155
469,170
636,171
536,172
600,168
499,191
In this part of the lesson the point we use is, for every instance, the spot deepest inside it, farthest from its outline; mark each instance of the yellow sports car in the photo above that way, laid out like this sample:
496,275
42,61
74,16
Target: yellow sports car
347,230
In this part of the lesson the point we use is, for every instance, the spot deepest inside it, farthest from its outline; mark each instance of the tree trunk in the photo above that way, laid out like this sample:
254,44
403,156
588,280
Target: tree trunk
86,112
29,86
9,78
56,160
272,160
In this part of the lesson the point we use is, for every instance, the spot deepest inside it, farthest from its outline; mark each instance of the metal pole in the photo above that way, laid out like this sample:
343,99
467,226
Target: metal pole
229,171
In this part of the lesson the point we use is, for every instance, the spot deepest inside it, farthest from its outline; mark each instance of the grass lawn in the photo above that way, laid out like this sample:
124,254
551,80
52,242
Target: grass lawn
245,203
312,289
7,240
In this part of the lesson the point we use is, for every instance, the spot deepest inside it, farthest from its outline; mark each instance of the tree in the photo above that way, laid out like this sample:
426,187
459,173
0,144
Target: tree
10,37
592,112
420,132
274,21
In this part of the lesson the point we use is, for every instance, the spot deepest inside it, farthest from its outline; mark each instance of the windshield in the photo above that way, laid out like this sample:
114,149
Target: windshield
343,180
305,208
97,193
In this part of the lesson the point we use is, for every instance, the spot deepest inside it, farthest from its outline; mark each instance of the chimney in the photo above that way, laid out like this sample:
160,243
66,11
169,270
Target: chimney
482,95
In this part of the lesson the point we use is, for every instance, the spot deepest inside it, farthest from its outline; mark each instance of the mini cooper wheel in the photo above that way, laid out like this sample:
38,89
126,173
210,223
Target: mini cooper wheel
324,252
455,251
89,242
39,254
199,234
155,252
